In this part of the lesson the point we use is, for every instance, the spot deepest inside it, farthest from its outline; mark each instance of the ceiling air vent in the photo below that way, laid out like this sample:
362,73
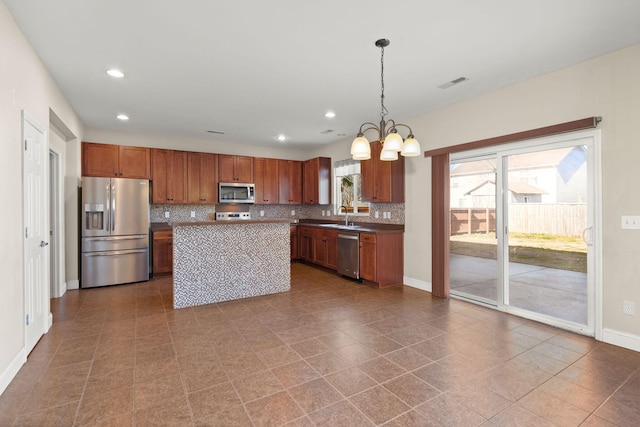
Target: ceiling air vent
325,132
215,131
453,82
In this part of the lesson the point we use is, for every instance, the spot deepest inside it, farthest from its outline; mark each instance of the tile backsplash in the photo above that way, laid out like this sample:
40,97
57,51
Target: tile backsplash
388,213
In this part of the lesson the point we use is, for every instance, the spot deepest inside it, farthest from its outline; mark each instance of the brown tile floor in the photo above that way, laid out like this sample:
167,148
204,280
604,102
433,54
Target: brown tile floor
330,352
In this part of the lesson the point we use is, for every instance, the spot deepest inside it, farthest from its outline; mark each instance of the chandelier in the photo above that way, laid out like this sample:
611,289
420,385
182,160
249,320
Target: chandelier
387,129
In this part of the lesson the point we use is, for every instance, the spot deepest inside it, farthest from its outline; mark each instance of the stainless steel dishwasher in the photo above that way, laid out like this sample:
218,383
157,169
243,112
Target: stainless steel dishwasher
349,254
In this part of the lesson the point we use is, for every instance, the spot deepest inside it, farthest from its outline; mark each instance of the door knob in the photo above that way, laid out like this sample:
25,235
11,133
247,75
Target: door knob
43,243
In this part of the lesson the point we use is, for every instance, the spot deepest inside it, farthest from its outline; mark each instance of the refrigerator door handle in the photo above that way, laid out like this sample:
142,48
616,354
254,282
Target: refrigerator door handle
114,253
108,213
113,205
116,238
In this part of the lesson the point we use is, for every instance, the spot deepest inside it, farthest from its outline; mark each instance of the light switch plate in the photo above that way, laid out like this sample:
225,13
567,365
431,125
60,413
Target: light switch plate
630,222
261,213
166,214
193,214
377,214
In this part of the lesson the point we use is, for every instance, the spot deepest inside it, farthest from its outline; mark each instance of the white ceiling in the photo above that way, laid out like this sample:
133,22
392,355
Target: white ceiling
254,69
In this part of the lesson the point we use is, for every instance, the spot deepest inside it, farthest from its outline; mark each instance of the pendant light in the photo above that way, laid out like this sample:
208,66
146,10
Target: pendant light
387,129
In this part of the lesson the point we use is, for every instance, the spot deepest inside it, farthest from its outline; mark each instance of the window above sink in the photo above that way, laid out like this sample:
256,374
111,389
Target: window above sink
348,189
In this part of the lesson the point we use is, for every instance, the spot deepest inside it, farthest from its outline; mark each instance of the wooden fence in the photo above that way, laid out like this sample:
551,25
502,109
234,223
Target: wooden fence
552,219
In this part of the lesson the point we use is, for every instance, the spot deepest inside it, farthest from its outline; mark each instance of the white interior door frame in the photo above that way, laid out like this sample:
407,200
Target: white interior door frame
56,222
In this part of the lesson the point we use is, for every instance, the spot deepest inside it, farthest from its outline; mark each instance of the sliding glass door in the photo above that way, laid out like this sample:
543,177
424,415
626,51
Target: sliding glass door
474,251
522,235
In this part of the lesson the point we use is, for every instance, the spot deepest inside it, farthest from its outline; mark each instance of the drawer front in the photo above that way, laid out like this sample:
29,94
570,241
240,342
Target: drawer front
163,234
368,237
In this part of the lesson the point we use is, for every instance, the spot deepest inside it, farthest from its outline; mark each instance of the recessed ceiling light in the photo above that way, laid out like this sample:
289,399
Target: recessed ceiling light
330,114
122,117
281,138
115,73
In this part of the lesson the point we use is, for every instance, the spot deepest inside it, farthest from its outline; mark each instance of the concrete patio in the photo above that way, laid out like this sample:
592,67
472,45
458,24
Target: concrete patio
549,291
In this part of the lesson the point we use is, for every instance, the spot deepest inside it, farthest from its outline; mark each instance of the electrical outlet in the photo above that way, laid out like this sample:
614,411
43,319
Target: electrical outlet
629,308
261,213
166,214
630,222
322,212
376,214
193,214
293,212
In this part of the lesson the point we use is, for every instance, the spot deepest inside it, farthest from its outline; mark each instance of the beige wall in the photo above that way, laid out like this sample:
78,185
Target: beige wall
24,85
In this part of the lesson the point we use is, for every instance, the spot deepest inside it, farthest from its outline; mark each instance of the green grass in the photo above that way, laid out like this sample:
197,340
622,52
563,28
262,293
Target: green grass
565,253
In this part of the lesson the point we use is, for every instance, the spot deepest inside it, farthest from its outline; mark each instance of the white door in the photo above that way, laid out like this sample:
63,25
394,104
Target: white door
36,254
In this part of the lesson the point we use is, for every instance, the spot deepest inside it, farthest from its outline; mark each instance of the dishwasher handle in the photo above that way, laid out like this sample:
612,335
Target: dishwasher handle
348,236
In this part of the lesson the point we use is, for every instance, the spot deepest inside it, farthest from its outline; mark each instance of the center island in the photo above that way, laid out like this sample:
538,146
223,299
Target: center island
227,260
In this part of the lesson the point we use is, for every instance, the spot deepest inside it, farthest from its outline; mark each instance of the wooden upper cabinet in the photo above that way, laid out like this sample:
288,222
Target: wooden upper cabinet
235,168
290,182
121,161
317,181
382,181
266,180
169,172
202,178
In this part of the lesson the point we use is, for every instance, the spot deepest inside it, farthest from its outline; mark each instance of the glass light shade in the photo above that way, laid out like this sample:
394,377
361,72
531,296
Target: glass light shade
360,149
411,148
393,142
388,156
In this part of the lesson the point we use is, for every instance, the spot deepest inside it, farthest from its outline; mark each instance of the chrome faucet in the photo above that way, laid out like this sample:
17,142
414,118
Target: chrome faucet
346,215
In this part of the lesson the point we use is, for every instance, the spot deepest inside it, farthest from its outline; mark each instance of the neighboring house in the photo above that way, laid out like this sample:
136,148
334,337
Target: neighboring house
549,177
484,195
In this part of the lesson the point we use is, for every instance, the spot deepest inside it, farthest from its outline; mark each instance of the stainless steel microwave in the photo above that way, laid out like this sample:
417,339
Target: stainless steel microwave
235,192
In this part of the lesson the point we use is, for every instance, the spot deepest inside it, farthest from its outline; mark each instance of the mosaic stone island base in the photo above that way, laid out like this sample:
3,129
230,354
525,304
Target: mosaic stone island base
214,262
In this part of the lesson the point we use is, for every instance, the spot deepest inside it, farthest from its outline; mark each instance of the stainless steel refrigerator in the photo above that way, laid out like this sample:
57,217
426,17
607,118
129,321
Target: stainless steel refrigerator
115,231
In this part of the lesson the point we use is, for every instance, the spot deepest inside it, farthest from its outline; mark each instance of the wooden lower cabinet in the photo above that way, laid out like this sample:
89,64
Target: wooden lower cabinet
305,235
295,252
382,259
162,252
331,247
319,246
368,256
381,254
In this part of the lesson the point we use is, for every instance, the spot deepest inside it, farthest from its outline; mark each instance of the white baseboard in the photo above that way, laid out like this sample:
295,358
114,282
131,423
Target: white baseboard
73,284
62,289
12,370
621,339
415,283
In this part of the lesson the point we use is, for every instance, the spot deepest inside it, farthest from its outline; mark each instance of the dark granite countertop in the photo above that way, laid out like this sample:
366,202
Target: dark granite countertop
365,227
